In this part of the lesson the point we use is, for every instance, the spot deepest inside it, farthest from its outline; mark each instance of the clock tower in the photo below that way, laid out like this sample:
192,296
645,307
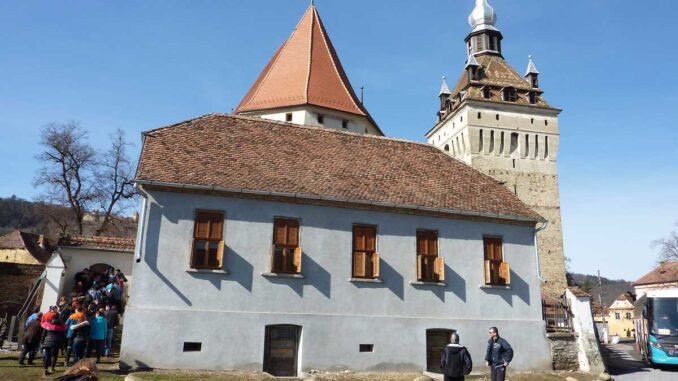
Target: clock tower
498,121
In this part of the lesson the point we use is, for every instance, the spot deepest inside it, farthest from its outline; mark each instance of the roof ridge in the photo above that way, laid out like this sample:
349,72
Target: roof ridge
310,54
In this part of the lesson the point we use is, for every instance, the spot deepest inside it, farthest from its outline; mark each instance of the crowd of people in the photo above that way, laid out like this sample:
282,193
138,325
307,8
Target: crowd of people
81,323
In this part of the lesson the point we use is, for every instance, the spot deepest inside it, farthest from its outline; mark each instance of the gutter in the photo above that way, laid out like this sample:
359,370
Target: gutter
536,249
141,223
303,196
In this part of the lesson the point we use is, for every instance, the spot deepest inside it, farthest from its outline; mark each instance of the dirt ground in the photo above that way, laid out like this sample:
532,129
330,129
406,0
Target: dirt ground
11,371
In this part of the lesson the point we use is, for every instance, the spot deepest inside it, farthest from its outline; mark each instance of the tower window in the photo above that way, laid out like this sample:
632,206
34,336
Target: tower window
288,117
496,116
527,146
480,141
486,92
480,43
532,97
463,142
493,43
321,118
531,120
546,122
546,147
491,141
480,115
447,148
510,94
514,142
344,124
536,146
501,143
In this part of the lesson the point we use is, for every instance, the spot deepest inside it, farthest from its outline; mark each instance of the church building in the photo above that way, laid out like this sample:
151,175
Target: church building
292,235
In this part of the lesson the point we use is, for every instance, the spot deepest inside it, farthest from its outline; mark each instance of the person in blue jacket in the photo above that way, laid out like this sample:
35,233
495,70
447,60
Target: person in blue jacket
97,336
499,355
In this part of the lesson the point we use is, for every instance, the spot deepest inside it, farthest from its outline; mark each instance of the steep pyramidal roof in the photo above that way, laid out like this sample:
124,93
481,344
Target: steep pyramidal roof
304,71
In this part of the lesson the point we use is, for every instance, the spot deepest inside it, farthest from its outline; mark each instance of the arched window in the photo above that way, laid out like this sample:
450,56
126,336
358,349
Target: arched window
536,146
514,142
527,146
510,94
546,147
480,141
501,143
447,148
491,141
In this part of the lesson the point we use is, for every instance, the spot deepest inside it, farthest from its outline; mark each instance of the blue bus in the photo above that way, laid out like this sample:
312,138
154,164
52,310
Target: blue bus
656,319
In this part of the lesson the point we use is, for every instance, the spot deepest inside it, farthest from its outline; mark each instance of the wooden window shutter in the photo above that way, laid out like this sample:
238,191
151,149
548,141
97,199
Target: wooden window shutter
220,254
297,259
433,244
293,232
488,272
419,260
358,239
488,248
370,238
216,226
440,268
279,232
273,267
498,255
202,226
359,264
505,273
375,265
422,245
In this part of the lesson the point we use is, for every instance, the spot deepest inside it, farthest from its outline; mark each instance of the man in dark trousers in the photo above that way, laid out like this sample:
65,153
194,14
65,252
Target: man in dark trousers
499,355
455,361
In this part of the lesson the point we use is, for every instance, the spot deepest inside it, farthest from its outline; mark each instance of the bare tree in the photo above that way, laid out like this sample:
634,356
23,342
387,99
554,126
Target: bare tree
115,179
668,247
68,162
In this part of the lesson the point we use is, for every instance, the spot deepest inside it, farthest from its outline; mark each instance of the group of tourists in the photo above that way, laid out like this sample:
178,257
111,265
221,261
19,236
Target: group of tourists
99,288
456,362
77,327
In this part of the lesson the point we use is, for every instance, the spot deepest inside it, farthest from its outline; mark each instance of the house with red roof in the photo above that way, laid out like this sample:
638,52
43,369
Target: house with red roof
292,235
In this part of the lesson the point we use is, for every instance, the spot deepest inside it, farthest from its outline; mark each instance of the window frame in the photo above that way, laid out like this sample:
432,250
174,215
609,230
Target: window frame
430,267
493,267
208,239
371,261
291,261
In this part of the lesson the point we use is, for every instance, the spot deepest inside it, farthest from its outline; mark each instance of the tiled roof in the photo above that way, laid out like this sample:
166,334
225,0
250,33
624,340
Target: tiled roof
232,153
101,243
666,272
578,292
304,71
27,241
497,74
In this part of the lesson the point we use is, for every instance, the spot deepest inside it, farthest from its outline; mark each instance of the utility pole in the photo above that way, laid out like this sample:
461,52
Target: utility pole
602,307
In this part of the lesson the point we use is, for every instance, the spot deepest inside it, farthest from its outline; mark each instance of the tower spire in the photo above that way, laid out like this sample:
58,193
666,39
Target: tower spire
484,38
444,90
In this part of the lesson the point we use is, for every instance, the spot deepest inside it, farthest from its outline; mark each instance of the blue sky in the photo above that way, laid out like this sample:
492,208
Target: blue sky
138,65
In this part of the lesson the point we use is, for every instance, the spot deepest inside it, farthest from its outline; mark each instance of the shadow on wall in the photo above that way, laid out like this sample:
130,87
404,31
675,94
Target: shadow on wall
314,275
519,288
390,279
156,213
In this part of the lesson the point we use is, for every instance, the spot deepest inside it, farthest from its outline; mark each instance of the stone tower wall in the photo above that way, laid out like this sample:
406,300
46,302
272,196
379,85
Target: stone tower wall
529,170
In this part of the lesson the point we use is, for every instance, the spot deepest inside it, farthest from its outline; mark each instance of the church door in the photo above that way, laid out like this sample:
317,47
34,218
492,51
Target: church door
281,350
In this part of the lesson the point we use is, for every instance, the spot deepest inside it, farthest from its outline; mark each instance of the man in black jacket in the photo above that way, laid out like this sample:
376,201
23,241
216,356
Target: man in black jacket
499,355
455,361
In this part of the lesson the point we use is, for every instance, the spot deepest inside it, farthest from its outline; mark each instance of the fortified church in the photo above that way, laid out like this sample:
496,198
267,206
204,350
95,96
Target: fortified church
294,221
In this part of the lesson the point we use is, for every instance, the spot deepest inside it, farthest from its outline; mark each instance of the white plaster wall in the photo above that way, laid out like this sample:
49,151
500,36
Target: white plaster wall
337,315
77,259
590,359
54,279
308,115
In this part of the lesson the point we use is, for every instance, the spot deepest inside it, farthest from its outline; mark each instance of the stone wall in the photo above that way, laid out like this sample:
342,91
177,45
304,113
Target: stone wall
16,281
564,352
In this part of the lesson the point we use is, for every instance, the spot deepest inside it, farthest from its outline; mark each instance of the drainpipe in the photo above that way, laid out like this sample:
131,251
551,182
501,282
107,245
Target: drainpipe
141,223
536,250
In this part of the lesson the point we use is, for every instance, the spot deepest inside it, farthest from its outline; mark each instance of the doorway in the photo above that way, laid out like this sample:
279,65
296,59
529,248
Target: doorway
436,340
281,350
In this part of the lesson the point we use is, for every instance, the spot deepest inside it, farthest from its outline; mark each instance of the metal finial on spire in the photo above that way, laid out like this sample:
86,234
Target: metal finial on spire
444,89
531,69
482,17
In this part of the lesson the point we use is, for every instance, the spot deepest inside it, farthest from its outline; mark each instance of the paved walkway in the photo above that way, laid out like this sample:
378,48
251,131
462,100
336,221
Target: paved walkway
625,364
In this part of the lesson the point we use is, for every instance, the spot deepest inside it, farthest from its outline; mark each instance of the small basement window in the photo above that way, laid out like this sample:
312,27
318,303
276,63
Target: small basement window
344,124
192,347
366,347
321,118
288,117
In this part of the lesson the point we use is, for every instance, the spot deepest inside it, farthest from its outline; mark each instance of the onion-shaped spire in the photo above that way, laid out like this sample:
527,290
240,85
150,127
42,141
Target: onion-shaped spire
482,17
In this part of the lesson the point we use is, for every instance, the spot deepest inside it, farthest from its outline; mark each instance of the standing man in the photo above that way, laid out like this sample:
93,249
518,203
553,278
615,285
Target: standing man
499,355
455,361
